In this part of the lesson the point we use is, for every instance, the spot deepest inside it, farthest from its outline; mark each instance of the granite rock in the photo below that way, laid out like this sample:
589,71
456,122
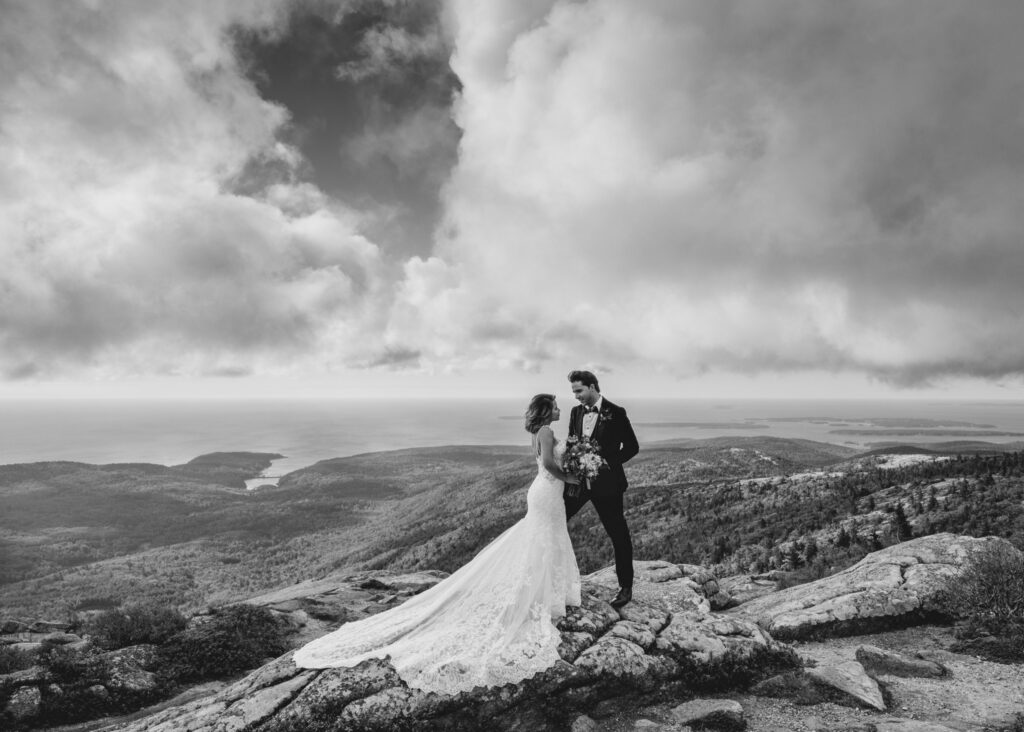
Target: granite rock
901,584
24,703
608,658
851,679
880,661
714,714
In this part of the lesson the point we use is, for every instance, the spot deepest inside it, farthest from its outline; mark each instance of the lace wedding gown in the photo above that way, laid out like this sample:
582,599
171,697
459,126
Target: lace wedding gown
492,622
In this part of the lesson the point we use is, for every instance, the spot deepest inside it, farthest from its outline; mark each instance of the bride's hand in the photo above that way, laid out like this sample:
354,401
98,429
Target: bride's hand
572,479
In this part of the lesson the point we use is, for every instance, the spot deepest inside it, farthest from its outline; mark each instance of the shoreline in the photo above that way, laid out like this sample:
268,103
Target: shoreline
950,445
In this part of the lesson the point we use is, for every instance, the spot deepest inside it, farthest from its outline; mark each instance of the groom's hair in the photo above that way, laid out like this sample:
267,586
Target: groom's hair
539,412
584,377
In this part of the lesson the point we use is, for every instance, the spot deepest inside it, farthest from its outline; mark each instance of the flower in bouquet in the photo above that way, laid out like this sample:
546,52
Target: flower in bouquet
583,458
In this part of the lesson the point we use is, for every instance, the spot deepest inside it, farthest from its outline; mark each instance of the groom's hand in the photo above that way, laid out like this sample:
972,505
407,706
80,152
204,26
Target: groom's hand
629,445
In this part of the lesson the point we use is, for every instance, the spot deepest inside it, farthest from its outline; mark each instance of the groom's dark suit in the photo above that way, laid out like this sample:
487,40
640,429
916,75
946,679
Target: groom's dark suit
614,435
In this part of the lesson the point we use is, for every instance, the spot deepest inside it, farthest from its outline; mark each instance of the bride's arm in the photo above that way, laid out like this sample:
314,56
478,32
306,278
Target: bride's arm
547,456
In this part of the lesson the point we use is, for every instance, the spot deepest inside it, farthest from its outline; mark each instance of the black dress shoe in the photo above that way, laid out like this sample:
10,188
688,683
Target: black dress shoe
624,596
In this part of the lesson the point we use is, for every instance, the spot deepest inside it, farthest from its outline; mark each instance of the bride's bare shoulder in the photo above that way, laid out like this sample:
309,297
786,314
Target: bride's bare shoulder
544,436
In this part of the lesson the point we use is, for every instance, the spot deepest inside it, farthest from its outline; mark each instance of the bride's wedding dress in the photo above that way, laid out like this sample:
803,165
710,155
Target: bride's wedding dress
492,622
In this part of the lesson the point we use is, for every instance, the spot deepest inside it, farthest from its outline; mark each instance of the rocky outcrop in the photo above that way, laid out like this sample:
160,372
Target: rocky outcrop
843,683
127,670
314,607
666,641
33,676
894,724
24,703
717,714
900,584
851,679
746,587
31,639
882,662
662,579
126,676
668,646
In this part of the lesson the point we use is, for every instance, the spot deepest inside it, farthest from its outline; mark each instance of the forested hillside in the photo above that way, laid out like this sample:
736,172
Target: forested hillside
823,519
77,537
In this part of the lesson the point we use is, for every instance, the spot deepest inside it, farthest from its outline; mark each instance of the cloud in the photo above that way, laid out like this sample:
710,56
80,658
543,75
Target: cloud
730,186
369,92
230,372
687,187
387,49
395,357
411,144
129,244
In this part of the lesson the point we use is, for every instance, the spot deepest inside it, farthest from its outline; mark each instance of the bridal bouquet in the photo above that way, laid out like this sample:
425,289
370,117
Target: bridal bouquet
583,459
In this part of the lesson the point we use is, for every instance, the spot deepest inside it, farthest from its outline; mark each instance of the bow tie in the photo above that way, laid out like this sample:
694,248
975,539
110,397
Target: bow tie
590,410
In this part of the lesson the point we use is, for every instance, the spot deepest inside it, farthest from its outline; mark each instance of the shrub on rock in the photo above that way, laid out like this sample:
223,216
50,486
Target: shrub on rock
991,588
13,659
234,639
74,673
135,624
990,598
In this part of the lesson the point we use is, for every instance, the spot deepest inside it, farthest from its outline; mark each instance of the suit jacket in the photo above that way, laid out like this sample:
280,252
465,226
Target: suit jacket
614,436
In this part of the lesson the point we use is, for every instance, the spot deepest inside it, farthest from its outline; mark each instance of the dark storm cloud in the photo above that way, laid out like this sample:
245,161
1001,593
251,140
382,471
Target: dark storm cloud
369,91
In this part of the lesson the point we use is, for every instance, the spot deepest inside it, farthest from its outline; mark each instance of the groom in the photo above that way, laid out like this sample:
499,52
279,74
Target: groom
607,425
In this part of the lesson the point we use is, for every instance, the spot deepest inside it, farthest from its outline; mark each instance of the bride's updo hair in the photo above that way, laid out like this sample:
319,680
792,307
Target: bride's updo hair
539,412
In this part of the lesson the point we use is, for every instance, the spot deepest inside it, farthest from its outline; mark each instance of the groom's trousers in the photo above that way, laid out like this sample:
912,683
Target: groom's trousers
610,510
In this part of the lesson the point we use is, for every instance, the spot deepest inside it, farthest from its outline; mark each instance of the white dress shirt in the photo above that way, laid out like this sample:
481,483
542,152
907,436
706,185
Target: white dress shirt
590,418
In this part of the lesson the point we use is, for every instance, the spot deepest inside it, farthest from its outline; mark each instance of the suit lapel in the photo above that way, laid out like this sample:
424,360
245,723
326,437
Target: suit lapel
599,427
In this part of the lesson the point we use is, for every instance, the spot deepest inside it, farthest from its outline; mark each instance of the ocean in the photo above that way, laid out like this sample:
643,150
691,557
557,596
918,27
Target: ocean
172,432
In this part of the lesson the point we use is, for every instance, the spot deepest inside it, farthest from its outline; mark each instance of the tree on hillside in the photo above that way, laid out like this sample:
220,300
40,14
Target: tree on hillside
901,528
876,542
811,551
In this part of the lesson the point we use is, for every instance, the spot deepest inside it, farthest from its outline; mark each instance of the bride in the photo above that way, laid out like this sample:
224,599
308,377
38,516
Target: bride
492,622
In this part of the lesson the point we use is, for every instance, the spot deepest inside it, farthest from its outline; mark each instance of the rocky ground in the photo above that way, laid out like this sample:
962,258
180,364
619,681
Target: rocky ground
975,696
683,654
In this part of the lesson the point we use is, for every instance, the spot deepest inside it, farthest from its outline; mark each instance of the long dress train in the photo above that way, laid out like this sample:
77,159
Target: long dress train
492,622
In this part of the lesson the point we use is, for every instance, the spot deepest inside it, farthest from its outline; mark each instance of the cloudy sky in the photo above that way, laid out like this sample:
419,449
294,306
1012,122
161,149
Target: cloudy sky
390,197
